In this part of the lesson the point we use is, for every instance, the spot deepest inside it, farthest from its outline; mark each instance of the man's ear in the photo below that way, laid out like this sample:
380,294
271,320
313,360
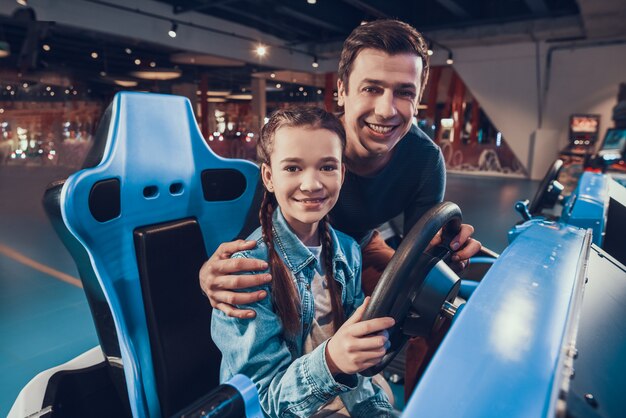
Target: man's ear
266,176
341,92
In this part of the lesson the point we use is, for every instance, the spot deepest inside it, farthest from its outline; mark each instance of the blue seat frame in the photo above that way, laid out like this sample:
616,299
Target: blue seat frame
154,157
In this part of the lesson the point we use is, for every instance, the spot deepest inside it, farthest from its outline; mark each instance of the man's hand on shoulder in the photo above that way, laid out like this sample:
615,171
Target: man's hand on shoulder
221,275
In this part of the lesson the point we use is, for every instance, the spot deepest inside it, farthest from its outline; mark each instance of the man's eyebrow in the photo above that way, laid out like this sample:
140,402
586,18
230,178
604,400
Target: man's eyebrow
291,160
383,83
331,159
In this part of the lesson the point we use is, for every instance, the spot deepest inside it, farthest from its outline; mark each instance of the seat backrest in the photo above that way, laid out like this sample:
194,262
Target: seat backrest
147,214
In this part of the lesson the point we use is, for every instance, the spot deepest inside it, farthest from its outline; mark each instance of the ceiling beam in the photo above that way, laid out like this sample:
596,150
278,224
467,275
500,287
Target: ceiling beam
202,6
308,19
538,7
454,8
364,7
291,30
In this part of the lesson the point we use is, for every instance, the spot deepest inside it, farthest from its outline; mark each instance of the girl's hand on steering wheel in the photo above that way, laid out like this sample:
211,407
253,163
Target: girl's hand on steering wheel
358,345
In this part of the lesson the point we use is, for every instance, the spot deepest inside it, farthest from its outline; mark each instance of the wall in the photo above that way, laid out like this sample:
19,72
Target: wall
530,90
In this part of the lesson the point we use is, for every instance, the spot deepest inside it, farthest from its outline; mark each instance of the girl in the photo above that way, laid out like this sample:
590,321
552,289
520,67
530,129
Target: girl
299,367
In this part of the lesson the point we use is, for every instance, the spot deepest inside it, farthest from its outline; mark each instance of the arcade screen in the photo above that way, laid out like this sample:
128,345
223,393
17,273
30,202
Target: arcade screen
583,129
614,141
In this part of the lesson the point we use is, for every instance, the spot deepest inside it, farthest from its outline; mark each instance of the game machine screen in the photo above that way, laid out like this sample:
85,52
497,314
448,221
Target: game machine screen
583,130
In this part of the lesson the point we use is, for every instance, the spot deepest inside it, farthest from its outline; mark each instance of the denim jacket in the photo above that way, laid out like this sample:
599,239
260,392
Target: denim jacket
289,382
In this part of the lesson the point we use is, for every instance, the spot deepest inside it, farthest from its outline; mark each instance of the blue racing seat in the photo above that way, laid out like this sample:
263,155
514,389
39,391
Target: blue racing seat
143,218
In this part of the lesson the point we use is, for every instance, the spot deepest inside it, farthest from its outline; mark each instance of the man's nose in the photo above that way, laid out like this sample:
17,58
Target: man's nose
386,105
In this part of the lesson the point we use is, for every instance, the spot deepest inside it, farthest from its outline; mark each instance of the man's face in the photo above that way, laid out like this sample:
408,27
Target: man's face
380,102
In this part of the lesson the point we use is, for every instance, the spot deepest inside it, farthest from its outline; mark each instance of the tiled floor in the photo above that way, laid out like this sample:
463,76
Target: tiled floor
45,322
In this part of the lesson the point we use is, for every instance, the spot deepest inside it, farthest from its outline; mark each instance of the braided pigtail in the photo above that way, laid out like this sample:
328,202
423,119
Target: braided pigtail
333,287
286,299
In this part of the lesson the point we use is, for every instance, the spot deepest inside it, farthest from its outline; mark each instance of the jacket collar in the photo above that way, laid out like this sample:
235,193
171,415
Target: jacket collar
295,254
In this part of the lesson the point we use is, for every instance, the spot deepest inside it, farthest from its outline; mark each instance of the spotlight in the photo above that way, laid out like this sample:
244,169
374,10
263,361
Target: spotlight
311,1
261,50
172,31
22,2
94,55
315,64
449,61
430,51
46,47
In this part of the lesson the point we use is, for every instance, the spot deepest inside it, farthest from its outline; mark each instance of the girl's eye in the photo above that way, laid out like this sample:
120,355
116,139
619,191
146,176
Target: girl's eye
291,168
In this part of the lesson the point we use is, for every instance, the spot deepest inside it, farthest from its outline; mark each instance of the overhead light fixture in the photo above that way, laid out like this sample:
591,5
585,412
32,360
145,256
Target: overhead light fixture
94,55
5,49
172,31
315,64
46,47
158,74
215,100
125,83
311,1
22,2
218,93
261,50
128,51
239,97
449,61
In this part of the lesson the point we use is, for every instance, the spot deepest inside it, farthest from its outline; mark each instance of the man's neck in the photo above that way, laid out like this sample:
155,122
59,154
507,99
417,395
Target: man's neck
366,166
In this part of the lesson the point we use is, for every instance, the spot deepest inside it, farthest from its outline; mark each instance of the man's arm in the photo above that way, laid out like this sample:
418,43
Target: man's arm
221,275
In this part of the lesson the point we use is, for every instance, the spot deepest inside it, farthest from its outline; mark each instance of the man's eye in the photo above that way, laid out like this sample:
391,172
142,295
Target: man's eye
291,168
329,168
370,89
406,93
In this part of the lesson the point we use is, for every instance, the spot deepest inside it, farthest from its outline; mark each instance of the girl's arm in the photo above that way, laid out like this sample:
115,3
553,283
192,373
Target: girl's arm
257,349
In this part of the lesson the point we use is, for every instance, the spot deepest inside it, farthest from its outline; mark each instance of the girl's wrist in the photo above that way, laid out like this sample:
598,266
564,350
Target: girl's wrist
332,366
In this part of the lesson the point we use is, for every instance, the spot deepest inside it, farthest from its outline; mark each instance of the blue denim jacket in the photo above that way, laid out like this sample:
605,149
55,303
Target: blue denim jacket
290,383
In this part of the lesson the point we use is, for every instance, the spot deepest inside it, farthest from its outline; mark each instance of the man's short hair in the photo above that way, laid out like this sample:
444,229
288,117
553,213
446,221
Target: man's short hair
387,35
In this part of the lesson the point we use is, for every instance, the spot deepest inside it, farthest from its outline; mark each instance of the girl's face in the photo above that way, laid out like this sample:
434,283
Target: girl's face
305,174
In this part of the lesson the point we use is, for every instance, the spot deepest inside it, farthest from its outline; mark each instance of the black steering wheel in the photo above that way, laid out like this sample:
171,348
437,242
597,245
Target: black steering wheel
549,189
401,282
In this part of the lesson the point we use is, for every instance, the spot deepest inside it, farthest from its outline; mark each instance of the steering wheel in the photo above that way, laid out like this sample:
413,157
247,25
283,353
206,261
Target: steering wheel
401,282
549,189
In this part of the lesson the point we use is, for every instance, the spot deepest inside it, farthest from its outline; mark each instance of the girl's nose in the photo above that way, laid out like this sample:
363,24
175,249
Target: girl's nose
310,182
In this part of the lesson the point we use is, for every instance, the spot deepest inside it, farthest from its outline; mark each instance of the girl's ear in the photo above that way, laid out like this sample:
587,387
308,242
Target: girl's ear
266,176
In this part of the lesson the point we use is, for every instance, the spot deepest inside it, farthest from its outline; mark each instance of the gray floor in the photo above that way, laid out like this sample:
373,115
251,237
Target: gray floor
45,322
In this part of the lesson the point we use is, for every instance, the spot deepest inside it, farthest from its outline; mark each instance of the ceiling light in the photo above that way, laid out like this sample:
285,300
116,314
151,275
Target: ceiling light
125,83
103,73
218,93
45,47
152,64
261,50
315,64
272,75
429,52
158,74
449,61
137,61
5,49
215,99
94,55
172,31
278,85
239,97
128,51
311,1
22,2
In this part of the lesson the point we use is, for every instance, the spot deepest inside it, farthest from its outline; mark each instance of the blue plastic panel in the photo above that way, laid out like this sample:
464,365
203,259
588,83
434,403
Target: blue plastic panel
587,205
153,142
505,355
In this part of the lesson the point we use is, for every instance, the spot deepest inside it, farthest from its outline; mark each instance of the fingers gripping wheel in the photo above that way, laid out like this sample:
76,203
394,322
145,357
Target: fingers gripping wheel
549,189
401,285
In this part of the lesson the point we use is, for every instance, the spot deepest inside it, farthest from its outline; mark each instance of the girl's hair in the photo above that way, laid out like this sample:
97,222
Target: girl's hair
285,296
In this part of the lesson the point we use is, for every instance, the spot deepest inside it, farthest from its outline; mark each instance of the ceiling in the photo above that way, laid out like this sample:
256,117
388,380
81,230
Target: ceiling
297,21
317,28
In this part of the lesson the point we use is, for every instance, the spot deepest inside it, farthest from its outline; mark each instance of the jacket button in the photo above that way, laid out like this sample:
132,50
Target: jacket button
308,286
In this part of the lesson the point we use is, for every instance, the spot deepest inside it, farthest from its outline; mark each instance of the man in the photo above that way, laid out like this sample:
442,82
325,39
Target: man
392,167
